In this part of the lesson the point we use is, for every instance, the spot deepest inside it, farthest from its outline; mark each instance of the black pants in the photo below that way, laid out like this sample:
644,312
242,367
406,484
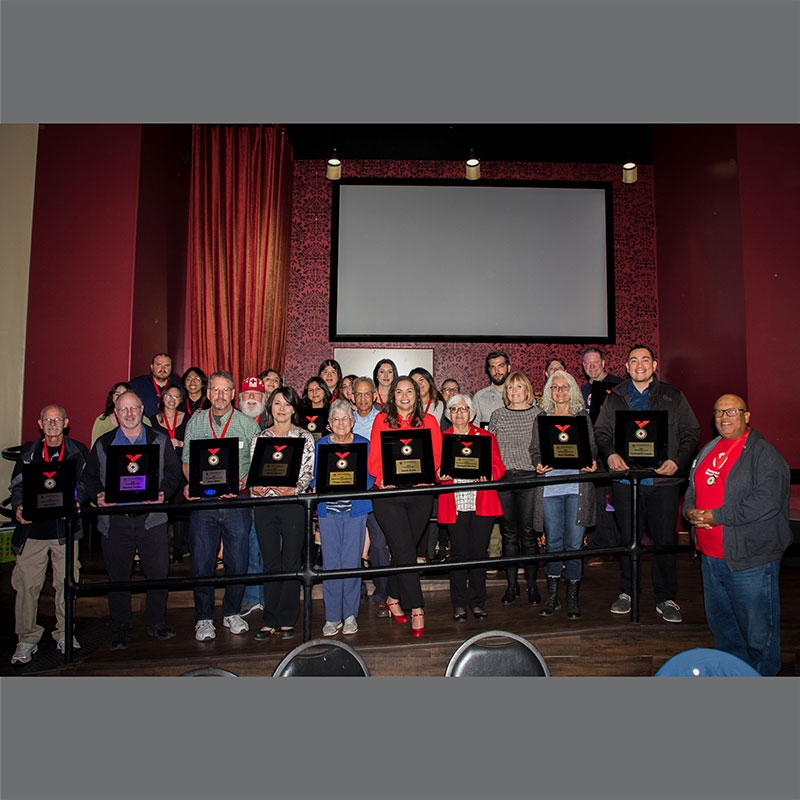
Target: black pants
516,524
378,556
404,520
125,535
605,532
469,539
658,505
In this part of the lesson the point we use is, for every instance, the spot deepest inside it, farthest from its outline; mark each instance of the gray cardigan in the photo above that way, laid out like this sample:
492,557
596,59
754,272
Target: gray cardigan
755,513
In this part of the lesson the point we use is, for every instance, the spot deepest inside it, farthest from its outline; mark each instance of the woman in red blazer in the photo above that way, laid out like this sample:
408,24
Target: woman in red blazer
470,516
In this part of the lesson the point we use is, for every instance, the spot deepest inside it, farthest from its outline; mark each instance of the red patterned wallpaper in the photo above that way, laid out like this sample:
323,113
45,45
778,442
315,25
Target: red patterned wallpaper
635,264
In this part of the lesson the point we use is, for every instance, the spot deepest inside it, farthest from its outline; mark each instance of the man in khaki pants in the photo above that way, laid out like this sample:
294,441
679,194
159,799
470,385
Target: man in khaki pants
36,543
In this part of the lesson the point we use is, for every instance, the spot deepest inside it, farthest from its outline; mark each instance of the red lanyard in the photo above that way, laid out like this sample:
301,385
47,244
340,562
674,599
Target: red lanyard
428,405
171,431
157,387
211,425
59,457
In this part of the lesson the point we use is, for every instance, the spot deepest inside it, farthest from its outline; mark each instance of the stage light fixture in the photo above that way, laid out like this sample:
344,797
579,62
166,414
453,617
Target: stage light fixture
333,168
473,167
629,172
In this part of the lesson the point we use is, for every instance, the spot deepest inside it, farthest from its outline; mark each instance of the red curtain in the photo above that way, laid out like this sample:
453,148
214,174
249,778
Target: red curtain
238,254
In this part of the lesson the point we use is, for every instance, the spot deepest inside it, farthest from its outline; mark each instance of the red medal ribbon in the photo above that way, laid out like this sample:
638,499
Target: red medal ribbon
48,474
343,455
280,447
642,423
211,425
406,441
467,444
213,451
59,457
311,419
563,428
133,457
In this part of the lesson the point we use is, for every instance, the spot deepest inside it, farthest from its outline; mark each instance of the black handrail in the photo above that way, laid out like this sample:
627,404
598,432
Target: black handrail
308,576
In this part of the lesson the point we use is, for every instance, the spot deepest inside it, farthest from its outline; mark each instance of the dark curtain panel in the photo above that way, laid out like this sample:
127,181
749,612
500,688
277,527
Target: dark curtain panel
239,240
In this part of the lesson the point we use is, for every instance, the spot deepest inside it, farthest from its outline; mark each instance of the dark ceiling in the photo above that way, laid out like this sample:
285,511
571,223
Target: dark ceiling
587,144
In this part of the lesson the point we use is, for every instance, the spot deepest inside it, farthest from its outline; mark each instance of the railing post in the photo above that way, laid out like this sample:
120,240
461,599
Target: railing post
635,547
308,573
69,590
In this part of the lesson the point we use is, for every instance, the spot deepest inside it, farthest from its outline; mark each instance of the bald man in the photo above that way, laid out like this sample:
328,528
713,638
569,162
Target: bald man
738,502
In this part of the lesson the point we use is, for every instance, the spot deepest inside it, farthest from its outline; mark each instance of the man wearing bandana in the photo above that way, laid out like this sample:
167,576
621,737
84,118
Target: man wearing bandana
659,496
738,502
123,534
35,543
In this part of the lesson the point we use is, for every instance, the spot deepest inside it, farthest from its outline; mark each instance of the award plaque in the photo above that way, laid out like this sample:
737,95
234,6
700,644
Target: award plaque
600,391
341,467
564,442
276,461
407,457
641,438
131,473
213,467
315,421
466,456
48,489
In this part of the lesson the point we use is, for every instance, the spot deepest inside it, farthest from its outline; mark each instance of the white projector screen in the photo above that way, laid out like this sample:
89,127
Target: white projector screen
433,261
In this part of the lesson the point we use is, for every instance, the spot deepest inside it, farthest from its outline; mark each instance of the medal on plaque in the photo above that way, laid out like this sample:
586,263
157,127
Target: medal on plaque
338,470
467,457
48,489
641,437
312,424
564,447
132,473
277,454
407,457
275,467
276,461
641,448
132,466
564,441
213,458
49,482
342,462
466,461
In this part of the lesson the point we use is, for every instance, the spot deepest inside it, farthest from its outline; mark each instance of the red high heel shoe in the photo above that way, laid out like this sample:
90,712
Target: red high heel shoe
390,604
417,632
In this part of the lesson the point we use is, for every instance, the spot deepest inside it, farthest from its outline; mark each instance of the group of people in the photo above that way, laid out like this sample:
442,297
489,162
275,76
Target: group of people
737,498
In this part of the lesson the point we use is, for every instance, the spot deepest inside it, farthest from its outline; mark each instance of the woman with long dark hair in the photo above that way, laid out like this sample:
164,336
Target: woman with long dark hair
382,376
404,519
331,372
195,381
432,400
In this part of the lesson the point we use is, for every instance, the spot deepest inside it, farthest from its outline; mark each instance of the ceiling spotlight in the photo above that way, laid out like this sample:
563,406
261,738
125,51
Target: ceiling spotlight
473,167
333,168
629,172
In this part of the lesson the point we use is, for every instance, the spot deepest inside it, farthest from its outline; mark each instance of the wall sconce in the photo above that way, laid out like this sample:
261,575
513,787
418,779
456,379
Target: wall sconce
473,167
333,167
629,172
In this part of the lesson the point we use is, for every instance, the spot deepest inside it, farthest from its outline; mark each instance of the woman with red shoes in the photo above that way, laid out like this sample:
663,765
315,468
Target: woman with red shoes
404,519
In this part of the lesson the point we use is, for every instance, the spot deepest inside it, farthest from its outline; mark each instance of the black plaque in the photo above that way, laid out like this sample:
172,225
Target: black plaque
131,473
641,438
341,467
276,461
466,456
407,457
315,421
564,442
213,467
48,489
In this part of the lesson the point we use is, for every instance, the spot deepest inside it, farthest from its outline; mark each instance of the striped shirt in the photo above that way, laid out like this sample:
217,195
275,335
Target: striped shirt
514,431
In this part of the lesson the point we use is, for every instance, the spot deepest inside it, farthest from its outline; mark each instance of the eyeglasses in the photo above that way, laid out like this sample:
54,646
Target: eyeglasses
460,410
175,397
52,420
559,388
728,412
450,390
130,409
339,420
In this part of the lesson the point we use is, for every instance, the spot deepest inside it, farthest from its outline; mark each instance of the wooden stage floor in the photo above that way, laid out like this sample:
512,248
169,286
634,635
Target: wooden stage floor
599,644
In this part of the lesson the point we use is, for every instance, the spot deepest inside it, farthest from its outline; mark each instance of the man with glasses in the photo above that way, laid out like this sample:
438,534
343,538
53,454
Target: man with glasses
738,502
150,387
37,542
231,525
490,398
124,534
658,497
450,388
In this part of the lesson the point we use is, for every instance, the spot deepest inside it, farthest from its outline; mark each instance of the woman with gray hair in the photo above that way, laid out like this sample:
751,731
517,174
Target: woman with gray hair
470,516
565,509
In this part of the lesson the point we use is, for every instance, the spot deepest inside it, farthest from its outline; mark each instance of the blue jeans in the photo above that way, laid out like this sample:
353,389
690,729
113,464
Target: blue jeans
255,593
744,612
206,528
342,539
562,533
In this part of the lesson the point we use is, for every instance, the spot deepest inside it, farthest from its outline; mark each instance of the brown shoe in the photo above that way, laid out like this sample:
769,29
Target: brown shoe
381,610
596,561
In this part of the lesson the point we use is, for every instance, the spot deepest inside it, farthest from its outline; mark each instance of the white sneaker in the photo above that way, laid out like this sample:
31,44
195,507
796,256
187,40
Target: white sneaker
23,653
236,624
204,631
61,644
249,609
331,628
350,626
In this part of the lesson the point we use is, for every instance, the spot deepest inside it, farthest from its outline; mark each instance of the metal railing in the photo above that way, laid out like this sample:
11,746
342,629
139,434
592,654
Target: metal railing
307,576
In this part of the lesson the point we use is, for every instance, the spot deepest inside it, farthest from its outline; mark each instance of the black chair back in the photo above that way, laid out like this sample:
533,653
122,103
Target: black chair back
208,672
497,654
322,658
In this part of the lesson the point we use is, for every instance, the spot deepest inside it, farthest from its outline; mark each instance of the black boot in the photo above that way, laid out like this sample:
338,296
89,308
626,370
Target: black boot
552,605
573,606
534,598
512,593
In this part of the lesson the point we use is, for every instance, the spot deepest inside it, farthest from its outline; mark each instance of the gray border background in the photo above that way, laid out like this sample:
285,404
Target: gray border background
482,61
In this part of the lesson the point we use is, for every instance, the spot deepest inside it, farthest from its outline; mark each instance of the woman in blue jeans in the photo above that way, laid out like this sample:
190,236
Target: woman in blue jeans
567,508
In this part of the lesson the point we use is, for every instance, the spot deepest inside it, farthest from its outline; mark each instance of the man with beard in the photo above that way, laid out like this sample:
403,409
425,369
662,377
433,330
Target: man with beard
124,534
252,402
149,387
36,543
490,398
231,525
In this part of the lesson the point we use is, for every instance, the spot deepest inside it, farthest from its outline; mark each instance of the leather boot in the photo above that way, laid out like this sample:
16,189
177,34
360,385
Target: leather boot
573,606
552,603
512,593
534,598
